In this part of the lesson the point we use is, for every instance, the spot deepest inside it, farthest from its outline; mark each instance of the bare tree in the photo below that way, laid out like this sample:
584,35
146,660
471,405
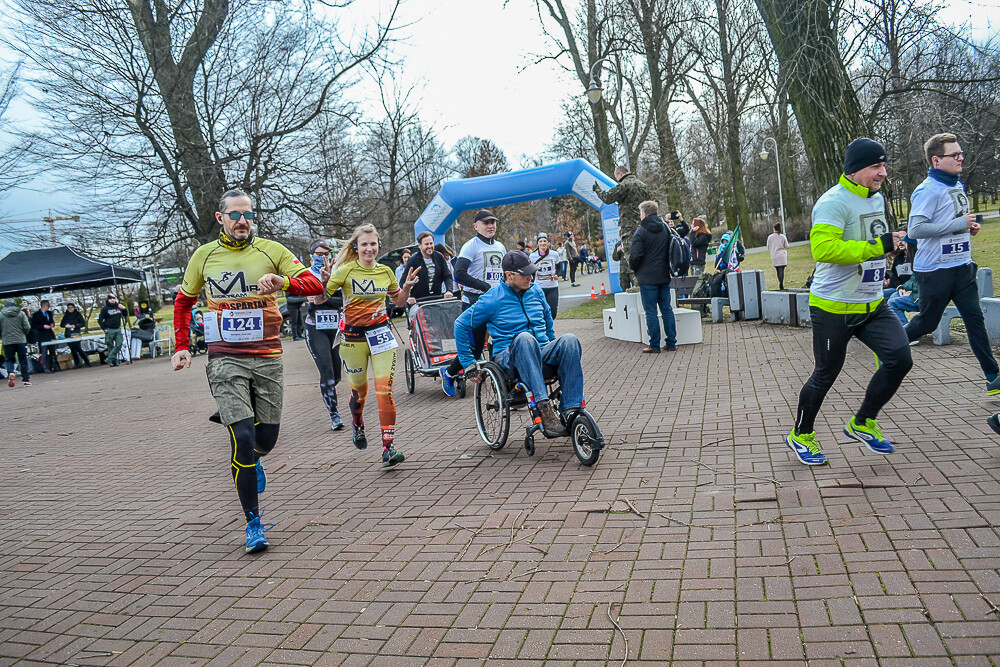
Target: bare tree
658,28
11,157
722,85
173,102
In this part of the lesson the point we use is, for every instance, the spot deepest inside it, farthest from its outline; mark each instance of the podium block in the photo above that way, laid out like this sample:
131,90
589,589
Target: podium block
627,321
786,308
744,289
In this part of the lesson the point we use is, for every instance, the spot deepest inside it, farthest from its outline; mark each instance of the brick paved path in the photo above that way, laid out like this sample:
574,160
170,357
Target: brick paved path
122,539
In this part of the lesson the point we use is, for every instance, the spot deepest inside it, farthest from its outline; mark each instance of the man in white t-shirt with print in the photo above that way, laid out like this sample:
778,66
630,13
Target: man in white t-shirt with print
478,269
546,261
943,228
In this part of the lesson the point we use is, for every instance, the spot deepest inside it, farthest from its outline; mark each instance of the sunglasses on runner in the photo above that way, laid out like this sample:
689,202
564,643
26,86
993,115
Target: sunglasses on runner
236,215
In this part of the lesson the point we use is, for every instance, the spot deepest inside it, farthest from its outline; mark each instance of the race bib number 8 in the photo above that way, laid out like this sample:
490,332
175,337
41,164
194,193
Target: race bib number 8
327,319
380,340
872,275
242,326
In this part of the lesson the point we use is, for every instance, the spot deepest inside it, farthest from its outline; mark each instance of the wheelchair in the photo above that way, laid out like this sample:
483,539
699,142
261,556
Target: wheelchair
498,394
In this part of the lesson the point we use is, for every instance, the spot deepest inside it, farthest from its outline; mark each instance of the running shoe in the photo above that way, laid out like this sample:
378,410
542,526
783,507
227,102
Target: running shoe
25,384
994,422
993,388
805,447
336,423
255,535
448,383
360,441
391,456
261,476
10,380
870,434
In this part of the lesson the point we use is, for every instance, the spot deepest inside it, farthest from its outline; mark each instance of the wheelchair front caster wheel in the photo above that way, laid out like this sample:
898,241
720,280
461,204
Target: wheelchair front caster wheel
529,446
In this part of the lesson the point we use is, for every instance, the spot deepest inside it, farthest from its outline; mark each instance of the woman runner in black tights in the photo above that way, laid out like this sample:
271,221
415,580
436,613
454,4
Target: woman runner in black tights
322,332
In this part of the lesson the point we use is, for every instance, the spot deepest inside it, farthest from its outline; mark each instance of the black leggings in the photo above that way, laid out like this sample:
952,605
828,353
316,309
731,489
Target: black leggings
881,331
249,442
957,284
478,339
552,296
327,358
572,270
780,270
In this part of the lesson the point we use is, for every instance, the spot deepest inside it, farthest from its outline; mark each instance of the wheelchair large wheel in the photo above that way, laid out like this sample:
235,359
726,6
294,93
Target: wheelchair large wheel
410,370
586,437
492,406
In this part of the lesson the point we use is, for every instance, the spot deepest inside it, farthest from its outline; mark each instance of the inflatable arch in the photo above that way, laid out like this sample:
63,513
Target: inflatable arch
575,177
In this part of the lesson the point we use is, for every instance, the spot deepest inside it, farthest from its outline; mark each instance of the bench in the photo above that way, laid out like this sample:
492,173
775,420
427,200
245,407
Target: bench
744,301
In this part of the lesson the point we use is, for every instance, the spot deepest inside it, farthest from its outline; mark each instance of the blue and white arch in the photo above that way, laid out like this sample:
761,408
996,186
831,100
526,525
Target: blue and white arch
574,177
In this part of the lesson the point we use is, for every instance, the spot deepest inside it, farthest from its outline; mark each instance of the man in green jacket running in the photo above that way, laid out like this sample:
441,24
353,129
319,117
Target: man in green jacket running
849,238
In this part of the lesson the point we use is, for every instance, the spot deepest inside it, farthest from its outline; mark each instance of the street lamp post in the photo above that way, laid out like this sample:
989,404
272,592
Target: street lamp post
777,162
594,94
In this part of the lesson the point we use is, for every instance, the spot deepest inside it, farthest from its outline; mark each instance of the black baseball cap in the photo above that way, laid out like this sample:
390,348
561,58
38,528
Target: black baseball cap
518,262
485,215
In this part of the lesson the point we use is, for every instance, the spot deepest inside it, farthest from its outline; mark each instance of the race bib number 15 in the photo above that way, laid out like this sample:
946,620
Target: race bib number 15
956,248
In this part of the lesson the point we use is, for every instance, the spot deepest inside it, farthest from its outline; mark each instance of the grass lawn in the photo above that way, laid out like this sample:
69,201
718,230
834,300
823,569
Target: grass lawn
587,310
985,253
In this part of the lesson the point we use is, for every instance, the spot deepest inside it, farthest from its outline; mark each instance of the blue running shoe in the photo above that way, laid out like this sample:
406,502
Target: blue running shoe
261,476
870,434
255,535
994,422
448,383
993,388
806,448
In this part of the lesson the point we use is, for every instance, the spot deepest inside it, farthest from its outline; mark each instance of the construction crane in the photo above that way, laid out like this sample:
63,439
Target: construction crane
49,219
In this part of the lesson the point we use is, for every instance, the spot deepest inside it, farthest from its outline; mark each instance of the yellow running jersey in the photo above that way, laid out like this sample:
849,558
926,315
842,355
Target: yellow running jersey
365,290
229,276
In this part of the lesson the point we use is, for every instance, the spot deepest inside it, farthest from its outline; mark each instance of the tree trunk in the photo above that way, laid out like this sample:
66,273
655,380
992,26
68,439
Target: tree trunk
789,184
175,80
654,40
734,157
825,103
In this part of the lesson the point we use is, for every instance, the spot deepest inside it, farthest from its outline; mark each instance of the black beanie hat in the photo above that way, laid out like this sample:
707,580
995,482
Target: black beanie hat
862,153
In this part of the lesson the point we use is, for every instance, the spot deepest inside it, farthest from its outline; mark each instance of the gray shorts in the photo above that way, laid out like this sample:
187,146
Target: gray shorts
230,379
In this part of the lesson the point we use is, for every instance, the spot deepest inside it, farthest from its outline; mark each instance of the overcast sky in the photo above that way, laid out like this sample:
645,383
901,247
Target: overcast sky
471,63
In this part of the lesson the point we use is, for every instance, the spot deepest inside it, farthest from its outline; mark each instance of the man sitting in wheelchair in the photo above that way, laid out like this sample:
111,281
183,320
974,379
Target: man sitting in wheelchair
520,325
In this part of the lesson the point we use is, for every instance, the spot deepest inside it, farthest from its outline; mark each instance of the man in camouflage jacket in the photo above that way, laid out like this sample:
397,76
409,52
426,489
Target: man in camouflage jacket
628,194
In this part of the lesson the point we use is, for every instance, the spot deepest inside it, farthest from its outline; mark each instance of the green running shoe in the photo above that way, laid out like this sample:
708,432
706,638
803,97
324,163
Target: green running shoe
806,448
870,434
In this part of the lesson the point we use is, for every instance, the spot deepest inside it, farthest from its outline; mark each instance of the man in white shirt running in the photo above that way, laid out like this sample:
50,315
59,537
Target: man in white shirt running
943,228
478,269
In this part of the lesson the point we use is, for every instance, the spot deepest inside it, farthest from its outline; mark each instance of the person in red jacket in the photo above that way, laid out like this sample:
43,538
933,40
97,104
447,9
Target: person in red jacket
241,275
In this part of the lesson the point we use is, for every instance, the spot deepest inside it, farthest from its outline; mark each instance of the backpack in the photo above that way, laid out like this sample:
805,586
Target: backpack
702,288
680,253
717,286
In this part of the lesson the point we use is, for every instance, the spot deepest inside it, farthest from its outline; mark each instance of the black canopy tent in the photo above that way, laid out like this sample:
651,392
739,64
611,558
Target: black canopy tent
59,268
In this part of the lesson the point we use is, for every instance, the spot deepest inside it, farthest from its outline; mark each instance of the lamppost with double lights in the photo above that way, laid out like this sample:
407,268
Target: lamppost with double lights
594,94
777,161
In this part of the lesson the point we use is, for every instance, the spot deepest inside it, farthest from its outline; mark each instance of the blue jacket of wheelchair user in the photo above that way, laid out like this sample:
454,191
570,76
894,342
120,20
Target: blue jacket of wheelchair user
506,314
